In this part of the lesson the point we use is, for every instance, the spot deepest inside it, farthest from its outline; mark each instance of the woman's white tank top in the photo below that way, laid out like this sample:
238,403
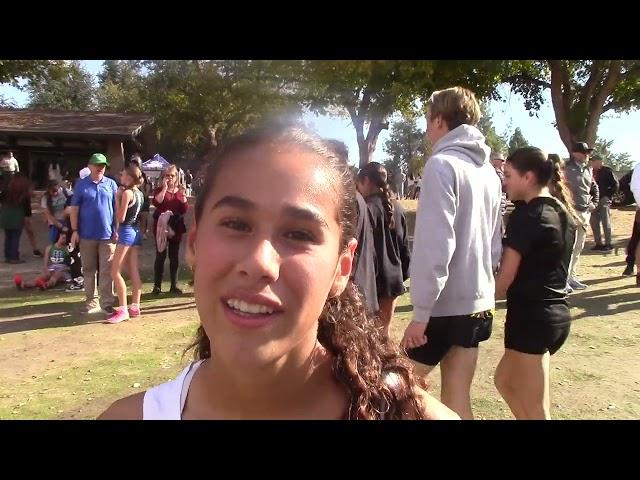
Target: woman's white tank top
166,401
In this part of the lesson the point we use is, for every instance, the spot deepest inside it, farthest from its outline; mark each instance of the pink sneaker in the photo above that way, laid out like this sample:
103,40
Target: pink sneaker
119,314
18,282
134,311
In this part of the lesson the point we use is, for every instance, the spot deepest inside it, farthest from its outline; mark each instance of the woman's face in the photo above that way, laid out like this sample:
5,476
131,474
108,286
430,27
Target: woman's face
171,177
125,179
267,255
364,186
516,183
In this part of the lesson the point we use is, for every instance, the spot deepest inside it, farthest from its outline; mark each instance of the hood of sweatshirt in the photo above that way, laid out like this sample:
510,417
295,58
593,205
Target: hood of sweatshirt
466,141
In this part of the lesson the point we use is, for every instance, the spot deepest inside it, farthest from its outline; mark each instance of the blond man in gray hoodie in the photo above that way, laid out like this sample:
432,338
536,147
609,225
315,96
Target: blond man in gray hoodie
457,247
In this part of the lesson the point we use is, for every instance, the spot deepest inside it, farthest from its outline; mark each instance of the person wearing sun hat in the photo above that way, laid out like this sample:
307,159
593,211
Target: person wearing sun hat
93,222
584,190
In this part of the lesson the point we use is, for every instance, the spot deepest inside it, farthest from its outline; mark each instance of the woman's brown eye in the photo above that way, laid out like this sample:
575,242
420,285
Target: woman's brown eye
236,225
300,236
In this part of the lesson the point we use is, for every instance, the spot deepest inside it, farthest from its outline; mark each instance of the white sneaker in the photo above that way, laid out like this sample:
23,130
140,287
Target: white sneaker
577,285
91,308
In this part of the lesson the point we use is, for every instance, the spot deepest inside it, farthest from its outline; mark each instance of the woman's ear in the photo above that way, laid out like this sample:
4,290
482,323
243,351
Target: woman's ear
344,268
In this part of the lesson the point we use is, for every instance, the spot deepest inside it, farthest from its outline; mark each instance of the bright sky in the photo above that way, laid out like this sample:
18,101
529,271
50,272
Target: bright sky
507,115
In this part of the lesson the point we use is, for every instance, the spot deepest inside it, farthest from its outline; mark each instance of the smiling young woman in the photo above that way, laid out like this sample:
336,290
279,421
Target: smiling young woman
284,332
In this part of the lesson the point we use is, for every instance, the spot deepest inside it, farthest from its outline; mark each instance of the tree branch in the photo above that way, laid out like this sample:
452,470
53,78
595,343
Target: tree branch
567,93
596,106
610,106
366,102
635,70
610,83
358,122
522,77
592,82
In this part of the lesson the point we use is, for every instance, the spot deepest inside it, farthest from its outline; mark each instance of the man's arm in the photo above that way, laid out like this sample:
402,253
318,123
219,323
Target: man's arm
45,208
435,239
496,239
114,203
634,185
595,193
615,184
74,208
434,245
74,217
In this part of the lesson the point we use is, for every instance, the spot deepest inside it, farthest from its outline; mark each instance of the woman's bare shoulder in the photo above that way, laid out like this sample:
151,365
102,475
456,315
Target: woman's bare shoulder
128,408
432,409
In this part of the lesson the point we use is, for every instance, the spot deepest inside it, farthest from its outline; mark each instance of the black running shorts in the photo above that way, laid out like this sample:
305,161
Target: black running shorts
444,332
536,327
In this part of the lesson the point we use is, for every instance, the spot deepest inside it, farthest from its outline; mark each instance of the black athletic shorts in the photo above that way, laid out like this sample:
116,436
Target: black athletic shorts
444,332
536,327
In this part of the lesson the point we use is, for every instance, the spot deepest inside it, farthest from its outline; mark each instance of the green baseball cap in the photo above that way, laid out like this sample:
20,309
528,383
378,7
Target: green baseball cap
98,159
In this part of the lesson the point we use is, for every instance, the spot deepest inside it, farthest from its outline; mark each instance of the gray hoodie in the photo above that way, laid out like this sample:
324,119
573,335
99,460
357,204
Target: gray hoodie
457,241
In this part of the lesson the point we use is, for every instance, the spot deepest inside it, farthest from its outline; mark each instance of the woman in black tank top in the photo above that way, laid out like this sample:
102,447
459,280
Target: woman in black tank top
129,200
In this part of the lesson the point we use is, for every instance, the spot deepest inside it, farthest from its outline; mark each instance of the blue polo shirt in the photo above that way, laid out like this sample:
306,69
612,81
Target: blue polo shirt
97,206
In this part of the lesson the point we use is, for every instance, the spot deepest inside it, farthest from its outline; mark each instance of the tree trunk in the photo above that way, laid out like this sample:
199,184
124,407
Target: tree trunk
366,144
211,142
375,127
558,102
596,104
591,100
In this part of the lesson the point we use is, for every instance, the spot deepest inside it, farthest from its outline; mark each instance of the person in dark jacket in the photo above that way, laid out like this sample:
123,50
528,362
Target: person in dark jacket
390,237
608,187
363,272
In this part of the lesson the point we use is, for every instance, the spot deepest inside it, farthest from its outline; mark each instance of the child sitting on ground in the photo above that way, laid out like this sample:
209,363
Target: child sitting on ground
56,268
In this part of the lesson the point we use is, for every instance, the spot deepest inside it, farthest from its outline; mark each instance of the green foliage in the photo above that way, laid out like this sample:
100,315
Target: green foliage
121,87
197,105
583,91
12,70
64,86
620,162
517,141
497,142
404,146
370,91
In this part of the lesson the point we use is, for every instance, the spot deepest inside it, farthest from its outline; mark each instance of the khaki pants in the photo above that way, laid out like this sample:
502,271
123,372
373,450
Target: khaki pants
92,252
581,235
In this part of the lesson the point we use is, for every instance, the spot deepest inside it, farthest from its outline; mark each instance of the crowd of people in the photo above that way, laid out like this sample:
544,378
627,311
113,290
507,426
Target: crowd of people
101,223
298,265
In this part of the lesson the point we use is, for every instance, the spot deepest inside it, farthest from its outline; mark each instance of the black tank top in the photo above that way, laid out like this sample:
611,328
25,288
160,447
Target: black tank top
133,211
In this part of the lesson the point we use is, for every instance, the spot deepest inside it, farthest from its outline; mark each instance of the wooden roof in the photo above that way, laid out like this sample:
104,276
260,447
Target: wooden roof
50,122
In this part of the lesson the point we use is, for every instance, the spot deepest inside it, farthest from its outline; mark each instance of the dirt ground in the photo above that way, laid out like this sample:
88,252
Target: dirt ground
55,363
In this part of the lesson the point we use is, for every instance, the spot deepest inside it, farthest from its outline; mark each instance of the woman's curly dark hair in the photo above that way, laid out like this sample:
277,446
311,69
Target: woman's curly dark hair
377,377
